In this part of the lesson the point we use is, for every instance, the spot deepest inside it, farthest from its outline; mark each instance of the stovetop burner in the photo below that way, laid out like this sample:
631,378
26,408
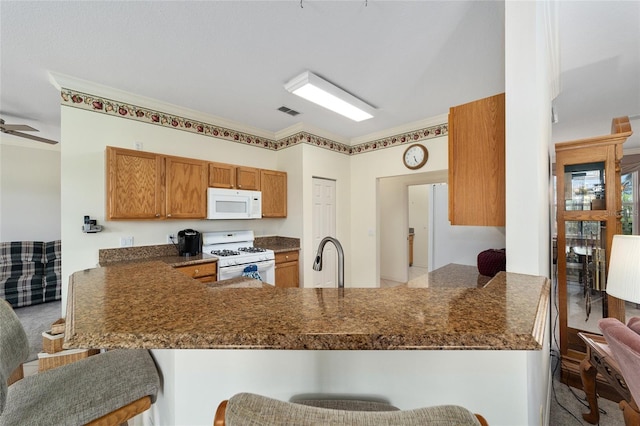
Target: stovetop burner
225,252
252,249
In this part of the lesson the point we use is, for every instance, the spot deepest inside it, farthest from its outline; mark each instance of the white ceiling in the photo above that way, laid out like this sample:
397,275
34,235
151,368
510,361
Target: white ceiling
230,59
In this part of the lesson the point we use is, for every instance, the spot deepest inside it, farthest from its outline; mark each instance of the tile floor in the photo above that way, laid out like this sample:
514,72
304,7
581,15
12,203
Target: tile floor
418,277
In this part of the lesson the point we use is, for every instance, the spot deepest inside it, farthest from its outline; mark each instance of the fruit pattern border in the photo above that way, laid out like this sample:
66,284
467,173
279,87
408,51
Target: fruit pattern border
120,109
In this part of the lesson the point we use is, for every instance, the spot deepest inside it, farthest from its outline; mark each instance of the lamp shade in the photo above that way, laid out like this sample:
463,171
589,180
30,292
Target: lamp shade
623,280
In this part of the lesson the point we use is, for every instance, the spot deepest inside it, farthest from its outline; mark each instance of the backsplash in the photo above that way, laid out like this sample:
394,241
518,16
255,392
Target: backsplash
111,255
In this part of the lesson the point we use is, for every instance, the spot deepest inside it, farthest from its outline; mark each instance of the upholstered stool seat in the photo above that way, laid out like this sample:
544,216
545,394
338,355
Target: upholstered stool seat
248,409
117,384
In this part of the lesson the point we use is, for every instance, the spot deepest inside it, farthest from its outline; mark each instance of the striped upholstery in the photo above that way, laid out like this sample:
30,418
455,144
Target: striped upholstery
30,272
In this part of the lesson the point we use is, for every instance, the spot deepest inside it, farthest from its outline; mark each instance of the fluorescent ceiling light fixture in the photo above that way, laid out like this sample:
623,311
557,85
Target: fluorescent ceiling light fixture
317,90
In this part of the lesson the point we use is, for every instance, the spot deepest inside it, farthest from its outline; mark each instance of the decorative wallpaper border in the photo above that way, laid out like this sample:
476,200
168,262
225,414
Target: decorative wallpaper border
132,112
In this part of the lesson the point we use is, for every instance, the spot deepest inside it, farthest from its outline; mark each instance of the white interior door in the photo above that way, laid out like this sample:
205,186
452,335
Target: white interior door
324,225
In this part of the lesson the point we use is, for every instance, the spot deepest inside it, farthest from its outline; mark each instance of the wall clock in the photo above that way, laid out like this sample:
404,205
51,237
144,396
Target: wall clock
415,156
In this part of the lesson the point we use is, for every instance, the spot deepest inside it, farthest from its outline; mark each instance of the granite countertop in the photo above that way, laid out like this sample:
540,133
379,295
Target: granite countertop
151,305
278,244
167,253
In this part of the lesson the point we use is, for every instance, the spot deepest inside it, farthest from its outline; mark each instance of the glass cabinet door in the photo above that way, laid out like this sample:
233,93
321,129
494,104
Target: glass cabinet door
584,186
585,248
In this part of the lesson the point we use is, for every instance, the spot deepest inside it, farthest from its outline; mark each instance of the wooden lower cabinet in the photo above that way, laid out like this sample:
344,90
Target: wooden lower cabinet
287,269
203,272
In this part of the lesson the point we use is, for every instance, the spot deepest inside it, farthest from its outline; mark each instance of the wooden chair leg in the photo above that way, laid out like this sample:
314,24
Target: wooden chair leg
218,420
630,414
482,420
588,375
18,374
121,415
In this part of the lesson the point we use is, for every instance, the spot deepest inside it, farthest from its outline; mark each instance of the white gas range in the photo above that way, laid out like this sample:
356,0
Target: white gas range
236,255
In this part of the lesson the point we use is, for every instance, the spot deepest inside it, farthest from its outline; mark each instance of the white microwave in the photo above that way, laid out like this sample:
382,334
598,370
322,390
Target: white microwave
233,204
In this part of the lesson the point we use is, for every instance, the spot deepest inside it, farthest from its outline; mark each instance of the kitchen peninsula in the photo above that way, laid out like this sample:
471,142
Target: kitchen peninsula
415,346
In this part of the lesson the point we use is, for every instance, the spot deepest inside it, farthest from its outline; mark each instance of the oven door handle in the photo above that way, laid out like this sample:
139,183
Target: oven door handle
262,266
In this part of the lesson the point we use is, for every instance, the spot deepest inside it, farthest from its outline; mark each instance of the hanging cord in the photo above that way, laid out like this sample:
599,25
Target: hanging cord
301,7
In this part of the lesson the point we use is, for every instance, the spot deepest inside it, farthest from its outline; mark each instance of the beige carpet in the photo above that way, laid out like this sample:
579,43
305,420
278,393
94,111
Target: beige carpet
35,319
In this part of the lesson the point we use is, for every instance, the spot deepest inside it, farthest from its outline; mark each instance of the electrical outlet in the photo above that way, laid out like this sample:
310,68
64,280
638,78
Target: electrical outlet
126,241
172,238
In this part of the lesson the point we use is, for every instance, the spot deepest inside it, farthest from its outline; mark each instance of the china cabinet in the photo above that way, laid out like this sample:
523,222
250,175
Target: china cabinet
588,207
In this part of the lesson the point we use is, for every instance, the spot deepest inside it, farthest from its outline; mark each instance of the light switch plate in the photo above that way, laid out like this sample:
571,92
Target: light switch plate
126,241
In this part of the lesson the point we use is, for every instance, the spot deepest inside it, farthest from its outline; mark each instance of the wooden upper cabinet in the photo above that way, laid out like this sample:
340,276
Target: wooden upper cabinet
186,185
222,175
477,162
274,193
145,185
134,184
248,178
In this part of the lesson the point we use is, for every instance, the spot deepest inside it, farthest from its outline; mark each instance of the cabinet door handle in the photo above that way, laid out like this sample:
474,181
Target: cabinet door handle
157,214
239,186
169,215
286,257
196,271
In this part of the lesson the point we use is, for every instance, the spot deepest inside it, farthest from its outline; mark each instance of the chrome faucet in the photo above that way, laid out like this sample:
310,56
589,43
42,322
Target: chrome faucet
317,264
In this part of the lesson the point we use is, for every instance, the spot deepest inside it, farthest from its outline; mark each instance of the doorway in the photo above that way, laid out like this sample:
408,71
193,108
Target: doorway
393,225
324,224
419,219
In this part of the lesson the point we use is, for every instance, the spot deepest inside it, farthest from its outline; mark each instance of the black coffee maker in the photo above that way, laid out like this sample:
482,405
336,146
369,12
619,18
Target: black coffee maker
189,243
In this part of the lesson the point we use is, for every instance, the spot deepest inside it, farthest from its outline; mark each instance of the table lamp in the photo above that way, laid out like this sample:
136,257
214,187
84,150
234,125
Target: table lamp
624,268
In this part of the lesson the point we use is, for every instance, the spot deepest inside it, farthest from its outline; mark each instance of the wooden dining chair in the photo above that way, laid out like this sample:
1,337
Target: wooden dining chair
104,389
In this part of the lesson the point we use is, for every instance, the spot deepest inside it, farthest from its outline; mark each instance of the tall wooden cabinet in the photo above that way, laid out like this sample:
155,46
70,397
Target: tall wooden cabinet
274,193
186,186
588,216
145,185
477,162
135,184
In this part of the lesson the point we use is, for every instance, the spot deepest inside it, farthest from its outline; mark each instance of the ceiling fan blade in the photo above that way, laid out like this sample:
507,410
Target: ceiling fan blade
35,138
18,127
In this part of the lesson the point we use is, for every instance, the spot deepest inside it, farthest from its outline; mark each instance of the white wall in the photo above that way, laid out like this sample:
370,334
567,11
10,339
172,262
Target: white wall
419,221
29,191
366,170
499,389
322,163
458,244
528,138
84,137
394,249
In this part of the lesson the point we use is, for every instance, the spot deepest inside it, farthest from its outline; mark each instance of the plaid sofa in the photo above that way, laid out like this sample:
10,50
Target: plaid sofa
30,272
